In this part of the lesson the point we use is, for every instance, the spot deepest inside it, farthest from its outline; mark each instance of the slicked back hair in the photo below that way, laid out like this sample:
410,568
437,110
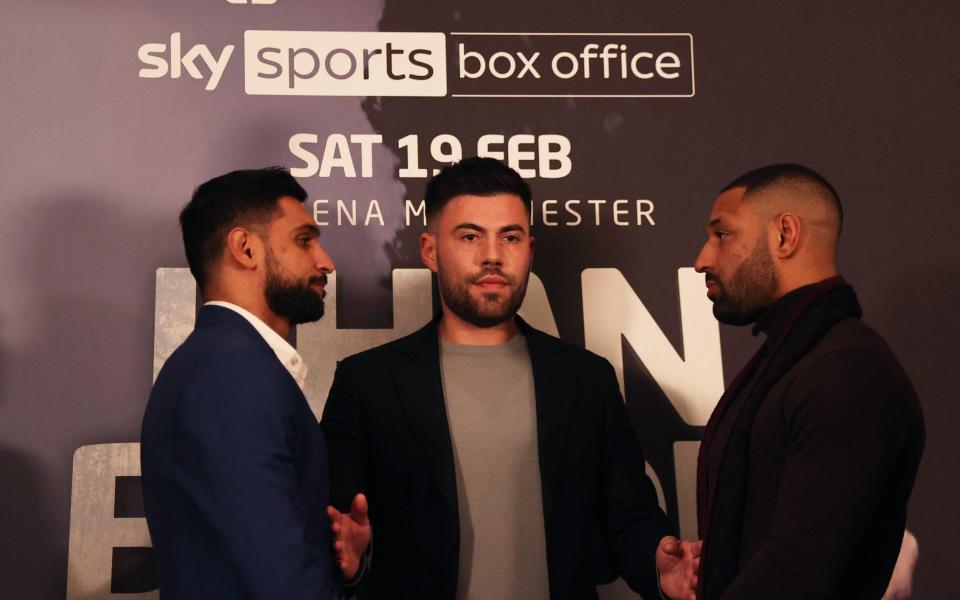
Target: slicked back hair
790,175
474,177
247,198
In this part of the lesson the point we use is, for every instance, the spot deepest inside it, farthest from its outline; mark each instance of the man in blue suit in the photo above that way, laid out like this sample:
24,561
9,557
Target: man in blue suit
234,464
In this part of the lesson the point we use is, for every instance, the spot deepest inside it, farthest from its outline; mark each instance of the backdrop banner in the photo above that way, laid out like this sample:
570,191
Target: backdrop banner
626,118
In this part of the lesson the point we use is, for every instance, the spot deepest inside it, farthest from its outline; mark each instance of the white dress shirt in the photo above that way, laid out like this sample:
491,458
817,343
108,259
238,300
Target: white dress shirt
286,354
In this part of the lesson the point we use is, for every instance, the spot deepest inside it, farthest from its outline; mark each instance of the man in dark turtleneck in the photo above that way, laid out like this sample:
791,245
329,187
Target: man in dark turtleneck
808,461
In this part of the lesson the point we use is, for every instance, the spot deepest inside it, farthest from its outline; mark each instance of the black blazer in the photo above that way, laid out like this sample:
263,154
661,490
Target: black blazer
234,472
386,426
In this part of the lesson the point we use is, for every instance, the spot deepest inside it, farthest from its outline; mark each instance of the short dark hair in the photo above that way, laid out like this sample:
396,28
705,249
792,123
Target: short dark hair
790,175
476,177
245,198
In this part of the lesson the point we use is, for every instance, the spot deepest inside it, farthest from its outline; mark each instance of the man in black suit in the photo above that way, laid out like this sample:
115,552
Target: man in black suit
807,463
498,461
234,464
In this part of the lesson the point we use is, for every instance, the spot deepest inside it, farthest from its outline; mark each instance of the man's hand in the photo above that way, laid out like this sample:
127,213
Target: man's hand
351,535
678,562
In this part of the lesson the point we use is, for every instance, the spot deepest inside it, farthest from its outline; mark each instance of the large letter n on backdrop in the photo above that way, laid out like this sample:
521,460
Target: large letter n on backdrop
611,309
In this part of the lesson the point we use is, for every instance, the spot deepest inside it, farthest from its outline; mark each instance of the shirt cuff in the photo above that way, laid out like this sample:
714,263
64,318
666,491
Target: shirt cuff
365,561
659,588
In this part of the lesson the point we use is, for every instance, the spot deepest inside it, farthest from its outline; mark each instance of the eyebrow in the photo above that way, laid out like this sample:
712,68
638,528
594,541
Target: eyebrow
469,226
504,229
715,222
307,228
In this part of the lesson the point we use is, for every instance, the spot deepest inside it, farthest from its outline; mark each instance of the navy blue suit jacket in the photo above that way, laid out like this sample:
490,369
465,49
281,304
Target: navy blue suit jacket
235,471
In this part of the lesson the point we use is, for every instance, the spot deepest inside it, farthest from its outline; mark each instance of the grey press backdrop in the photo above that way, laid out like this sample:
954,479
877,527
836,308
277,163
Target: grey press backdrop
112,112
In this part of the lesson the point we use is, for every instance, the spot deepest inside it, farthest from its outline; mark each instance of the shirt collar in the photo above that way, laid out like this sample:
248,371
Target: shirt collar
287,354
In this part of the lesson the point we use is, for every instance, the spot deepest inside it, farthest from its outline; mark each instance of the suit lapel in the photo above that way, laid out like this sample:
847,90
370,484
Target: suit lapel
416,373
555,391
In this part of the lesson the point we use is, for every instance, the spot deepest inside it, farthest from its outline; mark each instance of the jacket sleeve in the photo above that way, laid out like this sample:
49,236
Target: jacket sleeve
636,524
236,433
342,428
847,424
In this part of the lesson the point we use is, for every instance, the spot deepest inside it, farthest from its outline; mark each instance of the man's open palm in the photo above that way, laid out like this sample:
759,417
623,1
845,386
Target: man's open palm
351,535
677,563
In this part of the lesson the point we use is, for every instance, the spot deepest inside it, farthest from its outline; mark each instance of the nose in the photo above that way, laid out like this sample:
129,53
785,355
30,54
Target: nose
491,254
703,260
322,260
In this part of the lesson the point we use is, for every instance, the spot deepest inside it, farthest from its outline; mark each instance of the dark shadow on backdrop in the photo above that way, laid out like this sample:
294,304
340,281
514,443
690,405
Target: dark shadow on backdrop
907,307
85,374
29,551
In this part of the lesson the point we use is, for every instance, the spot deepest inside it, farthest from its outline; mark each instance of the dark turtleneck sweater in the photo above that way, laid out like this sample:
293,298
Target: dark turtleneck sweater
773,322
833,455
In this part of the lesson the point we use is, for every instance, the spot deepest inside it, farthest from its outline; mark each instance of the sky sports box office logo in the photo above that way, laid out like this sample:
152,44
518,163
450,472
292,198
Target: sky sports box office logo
345,63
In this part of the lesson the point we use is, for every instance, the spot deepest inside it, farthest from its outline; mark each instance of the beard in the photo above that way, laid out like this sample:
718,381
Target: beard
293,300
490,309
751,288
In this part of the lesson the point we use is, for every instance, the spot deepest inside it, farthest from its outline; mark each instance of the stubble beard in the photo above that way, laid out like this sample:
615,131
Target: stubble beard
491,309
293,300
751,288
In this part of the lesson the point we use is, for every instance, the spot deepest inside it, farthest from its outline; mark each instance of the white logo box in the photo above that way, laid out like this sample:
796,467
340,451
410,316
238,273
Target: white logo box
344,63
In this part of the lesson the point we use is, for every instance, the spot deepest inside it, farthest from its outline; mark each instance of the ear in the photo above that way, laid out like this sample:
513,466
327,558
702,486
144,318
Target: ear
244,248
787,229
428,250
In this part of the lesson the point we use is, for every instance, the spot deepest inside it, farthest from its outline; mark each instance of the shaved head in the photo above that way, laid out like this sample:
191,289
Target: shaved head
790,188
771,231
